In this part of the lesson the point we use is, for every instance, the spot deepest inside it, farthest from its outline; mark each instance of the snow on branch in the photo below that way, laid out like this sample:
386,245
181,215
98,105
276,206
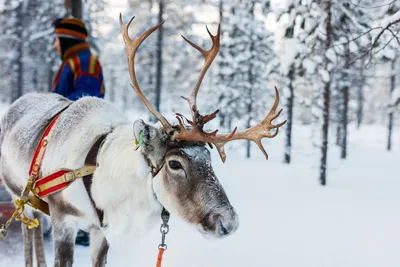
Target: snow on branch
377,6
9,37
385,24
41,34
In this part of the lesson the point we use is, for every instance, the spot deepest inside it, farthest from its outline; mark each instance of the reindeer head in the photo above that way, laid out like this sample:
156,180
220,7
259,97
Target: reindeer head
186,184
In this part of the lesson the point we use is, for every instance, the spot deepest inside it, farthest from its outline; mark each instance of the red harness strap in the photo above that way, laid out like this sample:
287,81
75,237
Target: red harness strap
41,148
37,162
61,179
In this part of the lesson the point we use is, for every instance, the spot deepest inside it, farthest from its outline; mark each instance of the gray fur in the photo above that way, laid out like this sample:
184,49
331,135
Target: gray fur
28,245
98,252
38,241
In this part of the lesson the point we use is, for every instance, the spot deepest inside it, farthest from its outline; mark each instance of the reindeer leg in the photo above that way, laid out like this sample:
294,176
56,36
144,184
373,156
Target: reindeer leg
28,245
98,248
38,241
64,234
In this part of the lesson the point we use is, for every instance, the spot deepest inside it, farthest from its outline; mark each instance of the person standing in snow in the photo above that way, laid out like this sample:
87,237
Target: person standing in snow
80,73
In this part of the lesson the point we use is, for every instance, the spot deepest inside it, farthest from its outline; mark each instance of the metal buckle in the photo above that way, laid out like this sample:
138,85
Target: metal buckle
65,176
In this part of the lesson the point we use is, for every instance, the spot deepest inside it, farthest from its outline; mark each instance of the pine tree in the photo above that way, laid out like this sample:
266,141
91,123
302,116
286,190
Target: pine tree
290,47
348,22
24,39
246,61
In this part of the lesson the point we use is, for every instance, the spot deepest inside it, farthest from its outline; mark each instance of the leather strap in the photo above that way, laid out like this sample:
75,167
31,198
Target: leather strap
34,170
60,179
88,179
39,204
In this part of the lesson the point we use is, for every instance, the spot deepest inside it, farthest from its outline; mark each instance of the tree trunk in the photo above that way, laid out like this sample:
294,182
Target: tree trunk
325,131
289,104
35,81
345,105
343,145
339,117
390,130
230,123
360,95
338,132
19,60
326,95
249,111
221,10
159,57
76,9
390,123
251,82
50,75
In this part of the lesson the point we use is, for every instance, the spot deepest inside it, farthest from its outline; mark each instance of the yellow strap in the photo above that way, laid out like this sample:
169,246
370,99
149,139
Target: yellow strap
39,157
65,178
71,65
92,64
39,204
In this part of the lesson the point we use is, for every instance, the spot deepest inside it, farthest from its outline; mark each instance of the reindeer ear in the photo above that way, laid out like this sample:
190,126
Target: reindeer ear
143,132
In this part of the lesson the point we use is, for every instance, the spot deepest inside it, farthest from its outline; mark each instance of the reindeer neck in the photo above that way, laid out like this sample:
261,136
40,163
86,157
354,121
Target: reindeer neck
122,186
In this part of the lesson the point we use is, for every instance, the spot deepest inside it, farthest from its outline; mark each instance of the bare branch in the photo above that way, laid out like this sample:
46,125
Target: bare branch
370,7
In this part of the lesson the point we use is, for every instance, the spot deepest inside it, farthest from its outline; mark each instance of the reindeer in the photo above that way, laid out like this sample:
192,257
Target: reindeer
169,172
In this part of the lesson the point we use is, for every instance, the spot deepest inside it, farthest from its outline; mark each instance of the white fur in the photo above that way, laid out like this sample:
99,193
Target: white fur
121,192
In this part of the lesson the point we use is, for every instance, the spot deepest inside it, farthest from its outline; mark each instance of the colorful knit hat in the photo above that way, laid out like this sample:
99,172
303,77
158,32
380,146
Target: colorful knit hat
70,28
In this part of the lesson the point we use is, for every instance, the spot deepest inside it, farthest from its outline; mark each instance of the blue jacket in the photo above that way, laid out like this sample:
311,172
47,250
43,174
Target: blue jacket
80,74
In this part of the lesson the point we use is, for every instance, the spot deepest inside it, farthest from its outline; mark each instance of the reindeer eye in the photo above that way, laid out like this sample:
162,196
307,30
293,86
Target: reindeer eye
175,165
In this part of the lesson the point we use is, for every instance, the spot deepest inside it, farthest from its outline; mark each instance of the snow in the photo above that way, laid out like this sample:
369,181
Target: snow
309,65
395,97
286,218
353,47
324,75
3,109
287,50
41,34
389,19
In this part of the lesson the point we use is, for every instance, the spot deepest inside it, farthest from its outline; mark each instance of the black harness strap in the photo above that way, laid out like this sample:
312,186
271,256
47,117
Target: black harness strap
87,180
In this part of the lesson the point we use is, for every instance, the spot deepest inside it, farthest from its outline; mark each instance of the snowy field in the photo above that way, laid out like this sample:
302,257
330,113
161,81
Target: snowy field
286,218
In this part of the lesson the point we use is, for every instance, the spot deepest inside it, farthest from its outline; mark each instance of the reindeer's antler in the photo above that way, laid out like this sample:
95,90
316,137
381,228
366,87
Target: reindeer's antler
131,47
208,59
196,132
257,132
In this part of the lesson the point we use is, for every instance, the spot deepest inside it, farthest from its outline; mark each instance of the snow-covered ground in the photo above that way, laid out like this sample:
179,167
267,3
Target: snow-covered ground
287,218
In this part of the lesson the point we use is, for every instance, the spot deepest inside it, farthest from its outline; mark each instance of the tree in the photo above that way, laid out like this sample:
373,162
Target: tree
348,20
244,67
74,8
24,39
292,52
317,33
327,8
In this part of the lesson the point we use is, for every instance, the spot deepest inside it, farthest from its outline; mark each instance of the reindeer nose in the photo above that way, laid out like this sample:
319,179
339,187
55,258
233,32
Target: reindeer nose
227,224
